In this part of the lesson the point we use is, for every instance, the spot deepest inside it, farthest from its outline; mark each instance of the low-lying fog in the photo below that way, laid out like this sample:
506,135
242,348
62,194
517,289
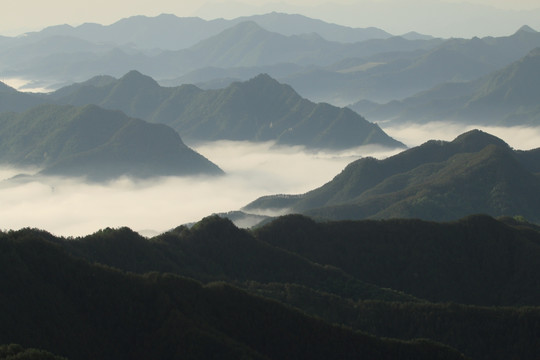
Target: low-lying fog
72,208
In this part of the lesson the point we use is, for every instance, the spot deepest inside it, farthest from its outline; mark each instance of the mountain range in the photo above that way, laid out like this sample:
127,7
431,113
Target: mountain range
505,97
354,64
87,311
95,143
117,294
260,109
169,32
475,173
60,59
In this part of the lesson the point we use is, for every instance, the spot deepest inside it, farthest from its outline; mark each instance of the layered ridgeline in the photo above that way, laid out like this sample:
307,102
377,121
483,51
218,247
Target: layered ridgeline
95,143
302,52
169,32
90,311
83,310
58,55
475,173
260,109
506,97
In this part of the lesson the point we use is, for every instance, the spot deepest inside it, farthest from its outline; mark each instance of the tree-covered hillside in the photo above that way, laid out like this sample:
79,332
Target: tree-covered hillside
81,310
260,109
95,143
115,294
475,173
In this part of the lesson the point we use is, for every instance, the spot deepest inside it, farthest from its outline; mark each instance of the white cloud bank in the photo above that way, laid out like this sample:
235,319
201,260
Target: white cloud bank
518,137
71,208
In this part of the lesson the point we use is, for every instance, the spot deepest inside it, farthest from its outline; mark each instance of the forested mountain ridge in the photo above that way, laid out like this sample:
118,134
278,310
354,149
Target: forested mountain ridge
475,173
95,143
260,109
81,310
476,260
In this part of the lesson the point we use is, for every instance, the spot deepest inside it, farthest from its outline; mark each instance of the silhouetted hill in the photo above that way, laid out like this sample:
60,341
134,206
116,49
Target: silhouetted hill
476,260
260,109
482,333
216,250
95,143
475,173
506,97
86,311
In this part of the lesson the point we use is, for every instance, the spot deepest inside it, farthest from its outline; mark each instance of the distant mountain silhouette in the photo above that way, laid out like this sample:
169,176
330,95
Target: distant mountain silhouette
95,143
170,48
506,97
387,69
247,44
260,109
475,173
65,54
169,32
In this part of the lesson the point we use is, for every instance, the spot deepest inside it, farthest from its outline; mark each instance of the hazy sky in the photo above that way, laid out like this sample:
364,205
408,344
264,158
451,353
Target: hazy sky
436,17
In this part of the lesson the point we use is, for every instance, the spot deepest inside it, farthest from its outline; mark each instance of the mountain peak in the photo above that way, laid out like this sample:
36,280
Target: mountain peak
477,139
262,78
135,78
526,29
248,25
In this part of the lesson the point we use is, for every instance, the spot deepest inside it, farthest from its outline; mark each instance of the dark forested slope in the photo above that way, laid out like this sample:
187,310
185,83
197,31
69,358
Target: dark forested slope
73,308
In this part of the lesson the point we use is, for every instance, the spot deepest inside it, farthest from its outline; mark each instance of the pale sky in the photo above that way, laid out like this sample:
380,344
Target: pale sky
444,18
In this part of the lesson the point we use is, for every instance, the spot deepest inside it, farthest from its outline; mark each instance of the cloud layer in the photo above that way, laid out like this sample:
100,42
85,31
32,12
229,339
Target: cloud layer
73,208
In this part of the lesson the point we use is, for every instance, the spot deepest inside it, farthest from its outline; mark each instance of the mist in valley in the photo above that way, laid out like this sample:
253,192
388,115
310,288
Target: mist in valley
518,137
72,207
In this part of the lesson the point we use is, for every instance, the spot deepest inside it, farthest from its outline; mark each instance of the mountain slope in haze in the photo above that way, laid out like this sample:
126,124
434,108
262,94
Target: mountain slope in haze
506,97
248,44
13,100
475,173
95,143
397,73
389,69
296,24
242,44
260,109
89,311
